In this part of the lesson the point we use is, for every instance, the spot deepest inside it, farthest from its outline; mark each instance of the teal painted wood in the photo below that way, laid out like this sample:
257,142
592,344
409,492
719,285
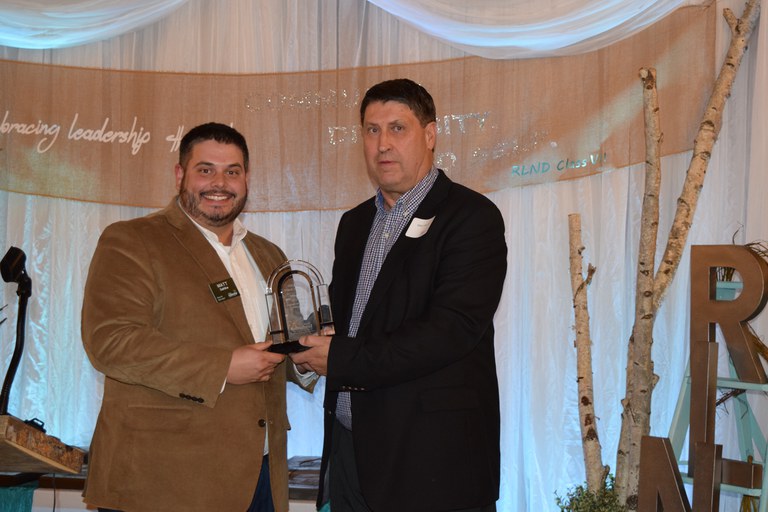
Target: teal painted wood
751,437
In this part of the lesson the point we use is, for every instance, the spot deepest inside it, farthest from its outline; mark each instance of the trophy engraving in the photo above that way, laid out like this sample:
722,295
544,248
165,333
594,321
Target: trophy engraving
298,304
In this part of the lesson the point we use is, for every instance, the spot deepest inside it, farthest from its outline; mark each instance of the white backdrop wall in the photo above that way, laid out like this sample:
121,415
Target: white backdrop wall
541,447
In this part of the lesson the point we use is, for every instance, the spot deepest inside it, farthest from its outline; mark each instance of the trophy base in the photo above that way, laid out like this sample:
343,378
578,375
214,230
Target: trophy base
289,347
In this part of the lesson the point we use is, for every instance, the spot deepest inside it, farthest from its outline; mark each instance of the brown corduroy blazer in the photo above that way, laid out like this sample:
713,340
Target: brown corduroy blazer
167,437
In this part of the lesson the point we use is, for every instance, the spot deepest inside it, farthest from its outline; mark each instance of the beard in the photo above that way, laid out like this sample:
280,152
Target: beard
191,204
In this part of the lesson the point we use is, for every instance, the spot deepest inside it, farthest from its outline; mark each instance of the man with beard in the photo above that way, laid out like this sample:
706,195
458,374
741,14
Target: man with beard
193,416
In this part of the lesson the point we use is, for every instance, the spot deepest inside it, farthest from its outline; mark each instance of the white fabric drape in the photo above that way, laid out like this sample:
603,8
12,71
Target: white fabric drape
514,29
541,447
43,24
496,29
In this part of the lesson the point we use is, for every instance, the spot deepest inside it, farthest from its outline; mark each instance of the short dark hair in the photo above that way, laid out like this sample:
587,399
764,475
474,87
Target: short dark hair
211,131
403,91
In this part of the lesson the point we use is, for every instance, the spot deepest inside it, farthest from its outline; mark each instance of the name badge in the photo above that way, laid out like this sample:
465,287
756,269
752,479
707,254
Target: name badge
224,290
418,227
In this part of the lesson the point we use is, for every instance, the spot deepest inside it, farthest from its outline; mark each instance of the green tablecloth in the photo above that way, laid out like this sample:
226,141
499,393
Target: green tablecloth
17,499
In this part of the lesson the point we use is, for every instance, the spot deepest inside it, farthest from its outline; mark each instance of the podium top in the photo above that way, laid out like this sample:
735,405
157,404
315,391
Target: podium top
25,449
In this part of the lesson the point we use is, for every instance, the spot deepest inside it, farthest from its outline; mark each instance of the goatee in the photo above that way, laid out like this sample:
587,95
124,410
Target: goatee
191,204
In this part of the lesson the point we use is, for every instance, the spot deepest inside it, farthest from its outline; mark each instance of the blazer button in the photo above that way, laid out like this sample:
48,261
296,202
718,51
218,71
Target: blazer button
262,423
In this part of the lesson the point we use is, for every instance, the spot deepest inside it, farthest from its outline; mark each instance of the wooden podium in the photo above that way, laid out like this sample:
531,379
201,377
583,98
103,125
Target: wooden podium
26,449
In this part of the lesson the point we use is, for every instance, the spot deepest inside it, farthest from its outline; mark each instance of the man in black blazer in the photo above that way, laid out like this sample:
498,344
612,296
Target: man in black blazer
411,391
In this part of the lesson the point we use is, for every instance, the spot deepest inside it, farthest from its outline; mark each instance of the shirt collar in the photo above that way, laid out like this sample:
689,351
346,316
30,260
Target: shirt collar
412,199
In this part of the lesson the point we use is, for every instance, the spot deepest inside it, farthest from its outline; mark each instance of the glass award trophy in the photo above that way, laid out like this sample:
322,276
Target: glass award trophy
298,304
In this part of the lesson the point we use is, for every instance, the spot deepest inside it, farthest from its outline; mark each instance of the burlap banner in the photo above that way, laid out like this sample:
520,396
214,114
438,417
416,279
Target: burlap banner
112,136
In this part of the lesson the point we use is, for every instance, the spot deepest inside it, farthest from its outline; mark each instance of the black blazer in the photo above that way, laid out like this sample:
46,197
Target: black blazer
421,371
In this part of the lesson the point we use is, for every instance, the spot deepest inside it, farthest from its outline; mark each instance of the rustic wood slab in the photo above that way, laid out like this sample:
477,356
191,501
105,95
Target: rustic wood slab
25,449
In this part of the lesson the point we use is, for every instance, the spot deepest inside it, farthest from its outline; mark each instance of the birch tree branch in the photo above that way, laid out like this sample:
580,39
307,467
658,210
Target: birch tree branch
590,441
709,129
636,416
640,377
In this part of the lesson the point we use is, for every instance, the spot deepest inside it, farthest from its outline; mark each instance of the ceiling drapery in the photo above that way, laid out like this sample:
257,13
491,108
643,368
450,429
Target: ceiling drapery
514,29
41,24
496,29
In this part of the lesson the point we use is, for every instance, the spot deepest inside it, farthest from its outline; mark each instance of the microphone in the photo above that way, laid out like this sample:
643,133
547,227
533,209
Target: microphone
12,266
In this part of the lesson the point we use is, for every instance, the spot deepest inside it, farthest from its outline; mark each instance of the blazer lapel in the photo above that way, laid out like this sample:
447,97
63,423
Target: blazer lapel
349,257
265,263
404,247
211,267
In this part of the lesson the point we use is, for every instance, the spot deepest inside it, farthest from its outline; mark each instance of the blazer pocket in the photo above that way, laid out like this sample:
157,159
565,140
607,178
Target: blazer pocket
448,399
159,419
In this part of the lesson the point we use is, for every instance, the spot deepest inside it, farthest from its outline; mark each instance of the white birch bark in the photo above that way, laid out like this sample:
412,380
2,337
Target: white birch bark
590,441
709,129
636,413
640,378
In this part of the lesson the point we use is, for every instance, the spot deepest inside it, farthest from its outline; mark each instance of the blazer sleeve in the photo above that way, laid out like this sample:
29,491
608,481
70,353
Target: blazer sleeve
436,308
126,297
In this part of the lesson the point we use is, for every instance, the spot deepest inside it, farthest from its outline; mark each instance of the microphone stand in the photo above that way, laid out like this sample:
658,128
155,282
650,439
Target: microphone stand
25,445
24,292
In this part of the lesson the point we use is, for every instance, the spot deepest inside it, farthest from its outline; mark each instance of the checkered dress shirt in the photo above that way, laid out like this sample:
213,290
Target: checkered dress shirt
386,229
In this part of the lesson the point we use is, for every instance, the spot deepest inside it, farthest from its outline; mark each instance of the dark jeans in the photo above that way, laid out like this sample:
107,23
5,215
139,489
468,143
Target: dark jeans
262,498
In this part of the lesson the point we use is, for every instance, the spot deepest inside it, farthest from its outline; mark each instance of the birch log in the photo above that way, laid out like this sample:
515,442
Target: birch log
590,441
709,129
636,412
